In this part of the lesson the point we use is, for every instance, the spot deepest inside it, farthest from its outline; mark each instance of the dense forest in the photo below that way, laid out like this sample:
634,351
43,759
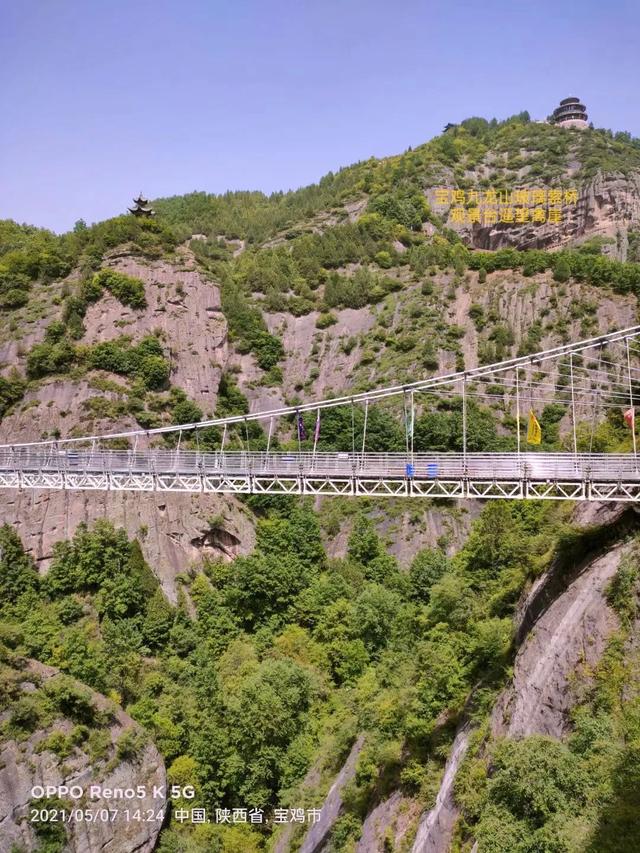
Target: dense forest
289,655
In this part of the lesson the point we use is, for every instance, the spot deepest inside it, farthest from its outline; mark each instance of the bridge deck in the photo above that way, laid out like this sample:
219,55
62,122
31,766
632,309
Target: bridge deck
560,476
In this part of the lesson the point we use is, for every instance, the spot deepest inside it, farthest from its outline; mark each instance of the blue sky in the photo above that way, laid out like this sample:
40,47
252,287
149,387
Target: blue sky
102,99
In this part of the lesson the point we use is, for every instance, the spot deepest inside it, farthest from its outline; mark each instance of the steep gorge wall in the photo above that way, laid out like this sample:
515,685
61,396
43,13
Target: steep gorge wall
563,627
173,529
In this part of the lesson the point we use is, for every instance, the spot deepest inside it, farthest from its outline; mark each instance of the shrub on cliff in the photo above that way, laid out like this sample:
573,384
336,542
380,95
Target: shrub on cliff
12,389
126,289
46,358
562,271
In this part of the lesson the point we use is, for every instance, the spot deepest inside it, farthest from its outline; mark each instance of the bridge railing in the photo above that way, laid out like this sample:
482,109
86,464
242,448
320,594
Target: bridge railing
499,466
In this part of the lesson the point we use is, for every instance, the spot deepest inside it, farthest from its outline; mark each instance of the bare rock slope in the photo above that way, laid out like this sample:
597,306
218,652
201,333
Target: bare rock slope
572,633
24,765
184,308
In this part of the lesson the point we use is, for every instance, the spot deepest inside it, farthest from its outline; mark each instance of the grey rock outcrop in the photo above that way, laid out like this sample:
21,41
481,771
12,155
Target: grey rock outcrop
23,766
436,826
608,206
318,834
184,308
174,530
571,633
562,624
387,824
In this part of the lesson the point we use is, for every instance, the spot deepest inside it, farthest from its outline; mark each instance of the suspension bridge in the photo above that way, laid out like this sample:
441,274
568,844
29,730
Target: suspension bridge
588,379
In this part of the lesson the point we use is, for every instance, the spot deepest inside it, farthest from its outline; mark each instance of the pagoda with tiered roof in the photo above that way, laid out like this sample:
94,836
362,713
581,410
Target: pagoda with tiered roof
141,207
571,113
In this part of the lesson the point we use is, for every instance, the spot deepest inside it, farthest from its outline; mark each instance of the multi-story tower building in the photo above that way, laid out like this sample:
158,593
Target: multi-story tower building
571,113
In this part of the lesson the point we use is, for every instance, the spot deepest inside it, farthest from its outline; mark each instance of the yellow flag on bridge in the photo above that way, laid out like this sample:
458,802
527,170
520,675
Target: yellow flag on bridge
534,431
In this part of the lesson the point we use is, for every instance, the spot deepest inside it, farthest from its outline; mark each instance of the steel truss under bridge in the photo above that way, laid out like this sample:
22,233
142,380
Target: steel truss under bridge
586,380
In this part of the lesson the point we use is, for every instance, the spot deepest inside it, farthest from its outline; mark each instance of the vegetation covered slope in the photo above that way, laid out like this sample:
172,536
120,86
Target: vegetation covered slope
511,153
269,666
289,655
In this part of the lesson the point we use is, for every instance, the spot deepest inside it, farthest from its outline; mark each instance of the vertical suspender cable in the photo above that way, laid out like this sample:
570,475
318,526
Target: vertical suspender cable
596,404
152,453
316,436
633,411
269,435
316,431
224,436
132,454
413,423
178,447
530,386
406,423
353,431
518,415
199,461
573,411
364,428
247,456
266,455
464,422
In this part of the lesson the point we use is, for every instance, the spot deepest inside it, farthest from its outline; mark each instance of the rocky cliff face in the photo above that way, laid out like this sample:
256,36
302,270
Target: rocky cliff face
608,206
174,530
436,826
570,635
563,626
24,766
314,840
183,308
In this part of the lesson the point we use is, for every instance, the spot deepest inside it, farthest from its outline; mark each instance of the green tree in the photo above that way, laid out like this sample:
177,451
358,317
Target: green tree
561,270
264,586
154,370
12,390
18,573
46,358
158,621
428,566
127,289
185,411
497,541
376,610
442,679
364,544
270,711
535,778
